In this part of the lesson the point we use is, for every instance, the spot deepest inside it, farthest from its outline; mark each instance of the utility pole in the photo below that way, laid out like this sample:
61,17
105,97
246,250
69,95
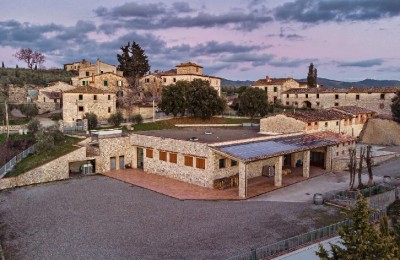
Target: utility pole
7,123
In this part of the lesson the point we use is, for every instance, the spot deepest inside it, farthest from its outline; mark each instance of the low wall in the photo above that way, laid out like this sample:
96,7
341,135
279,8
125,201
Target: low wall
13,127
57,169
382,200
341,164
207,125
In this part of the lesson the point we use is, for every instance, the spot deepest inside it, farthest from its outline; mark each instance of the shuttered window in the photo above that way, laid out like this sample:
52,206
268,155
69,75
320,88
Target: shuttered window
188,160
149,153
163,156
173,158
200,163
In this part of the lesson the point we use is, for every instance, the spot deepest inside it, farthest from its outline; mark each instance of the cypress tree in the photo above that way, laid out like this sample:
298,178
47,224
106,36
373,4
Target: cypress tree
312,76
395,107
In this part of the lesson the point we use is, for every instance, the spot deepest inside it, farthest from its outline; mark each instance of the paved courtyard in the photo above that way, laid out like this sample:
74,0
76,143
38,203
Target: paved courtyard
101,218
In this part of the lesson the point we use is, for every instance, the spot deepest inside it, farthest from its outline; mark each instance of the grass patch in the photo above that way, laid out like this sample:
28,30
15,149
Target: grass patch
41,158
170,123
3,137
19,121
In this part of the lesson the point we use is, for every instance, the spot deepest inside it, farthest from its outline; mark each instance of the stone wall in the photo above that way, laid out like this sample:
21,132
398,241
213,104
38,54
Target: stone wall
281,124
17,94
323,100
103,107
114,83
194,175
3,128
189,70
113,147
341,163
57,169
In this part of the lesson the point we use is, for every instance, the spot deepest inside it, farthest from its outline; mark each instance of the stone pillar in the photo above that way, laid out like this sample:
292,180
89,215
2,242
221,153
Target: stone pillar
278,172
242,180
328,158
134,156
293,160
85,125
306,164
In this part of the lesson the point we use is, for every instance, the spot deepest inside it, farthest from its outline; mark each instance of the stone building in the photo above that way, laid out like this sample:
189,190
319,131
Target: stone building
184,72
107,81
204,157
377,99
75,66
86,99
348,120
275,86
50,98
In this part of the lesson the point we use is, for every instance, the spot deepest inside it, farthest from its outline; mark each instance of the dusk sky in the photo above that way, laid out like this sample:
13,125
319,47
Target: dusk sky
236,39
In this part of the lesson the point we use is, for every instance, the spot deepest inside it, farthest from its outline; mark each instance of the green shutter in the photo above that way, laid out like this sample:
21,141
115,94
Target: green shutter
275,89
105,83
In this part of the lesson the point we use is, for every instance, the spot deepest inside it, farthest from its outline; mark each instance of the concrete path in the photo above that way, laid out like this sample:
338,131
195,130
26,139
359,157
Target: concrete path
304,191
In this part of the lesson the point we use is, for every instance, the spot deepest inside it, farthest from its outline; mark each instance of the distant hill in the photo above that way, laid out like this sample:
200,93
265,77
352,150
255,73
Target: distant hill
363,83
329,83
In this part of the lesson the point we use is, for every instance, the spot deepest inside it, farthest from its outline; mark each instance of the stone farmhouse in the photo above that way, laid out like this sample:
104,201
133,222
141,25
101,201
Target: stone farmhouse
185,71
276,86
377,99
347,120
75,66
50,98
98,68
86,99
209,157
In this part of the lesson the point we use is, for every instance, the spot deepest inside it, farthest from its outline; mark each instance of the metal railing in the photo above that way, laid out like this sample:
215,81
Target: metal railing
76,128
16,159
295,242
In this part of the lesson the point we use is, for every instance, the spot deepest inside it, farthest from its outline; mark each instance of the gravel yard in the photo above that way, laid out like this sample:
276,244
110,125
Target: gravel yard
101,218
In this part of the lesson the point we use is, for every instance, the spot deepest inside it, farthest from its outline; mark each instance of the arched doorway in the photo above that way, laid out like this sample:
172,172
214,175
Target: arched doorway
306,104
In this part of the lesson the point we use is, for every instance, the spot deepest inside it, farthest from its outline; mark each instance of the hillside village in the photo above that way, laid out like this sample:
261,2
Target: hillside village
307,132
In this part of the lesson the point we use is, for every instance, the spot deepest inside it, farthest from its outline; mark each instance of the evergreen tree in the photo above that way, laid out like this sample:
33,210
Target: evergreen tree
2,64
173,99
312,76
253,102
360,239
395,107
133,62
92,120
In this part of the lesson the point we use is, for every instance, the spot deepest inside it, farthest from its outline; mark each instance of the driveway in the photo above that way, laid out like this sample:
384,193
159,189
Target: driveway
101,218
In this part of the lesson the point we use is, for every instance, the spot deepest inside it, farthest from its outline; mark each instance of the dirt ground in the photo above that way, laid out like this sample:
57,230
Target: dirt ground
98,217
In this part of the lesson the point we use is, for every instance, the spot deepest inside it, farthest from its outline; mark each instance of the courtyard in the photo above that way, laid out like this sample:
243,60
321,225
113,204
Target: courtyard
98,217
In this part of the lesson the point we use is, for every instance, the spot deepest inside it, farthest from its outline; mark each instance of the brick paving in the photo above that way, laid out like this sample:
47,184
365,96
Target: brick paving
185,191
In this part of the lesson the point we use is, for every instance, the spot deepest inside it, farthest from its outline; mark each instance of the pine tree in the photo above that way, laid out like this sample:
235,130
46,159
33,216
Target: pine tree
360,239
312,76
133,62
395,106
2,64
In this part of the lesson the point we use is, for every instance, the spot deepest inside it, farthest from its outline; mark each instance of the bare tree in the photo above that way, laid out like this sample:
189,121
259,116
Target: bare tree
30,57
368,160
352,167
360,164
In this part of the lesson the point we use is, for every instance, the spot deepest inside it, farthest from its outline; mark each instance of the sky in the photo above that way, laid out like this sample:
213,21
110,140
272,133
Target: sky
347,40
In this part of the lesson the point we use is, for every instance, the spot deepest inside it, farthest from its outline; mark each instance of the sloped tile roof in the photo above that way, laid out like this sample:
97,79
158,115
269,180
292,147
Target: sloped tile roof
343,90
272,81
318,115
187,64
354,110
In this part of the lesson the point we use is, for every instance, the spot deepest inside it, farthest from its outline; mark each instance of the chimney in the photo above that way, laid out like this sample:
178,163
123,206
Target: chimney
267,79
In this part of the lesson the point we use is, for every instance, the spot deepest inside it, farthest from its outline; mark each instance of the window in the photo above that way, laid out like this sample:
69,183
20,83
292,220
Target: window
306,95
317,95
287,95
382,106
119,83
317,104
287,103
337,122
336,104
174,79
200,163
94,97
382,96
80,108
87,74
149,153
173,158
109,97
309,124
101,72
162,156
326,124
80,97
83,83
188,161
336,96
233,163
109,109
222,163
275,89
357,97
105,83
147,80
315,123
44,99
164,80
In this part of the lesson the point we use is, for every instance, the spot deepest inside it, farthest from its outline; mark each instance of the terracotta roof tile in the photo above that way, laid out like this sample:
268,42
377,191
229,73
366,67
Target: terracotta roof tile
273,81
343,90
354,110
318,115
189,63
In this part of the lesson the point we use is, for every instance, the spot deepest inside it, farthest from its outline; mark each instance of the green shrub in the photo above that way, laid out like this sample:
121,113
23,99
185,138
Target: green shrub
137,119
116,119
92,120
33,126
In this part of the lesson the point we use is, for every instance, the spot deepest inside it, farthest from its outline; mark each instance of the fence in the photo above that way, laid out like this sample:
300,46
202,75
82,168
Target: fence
293,243
10,164
77,128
